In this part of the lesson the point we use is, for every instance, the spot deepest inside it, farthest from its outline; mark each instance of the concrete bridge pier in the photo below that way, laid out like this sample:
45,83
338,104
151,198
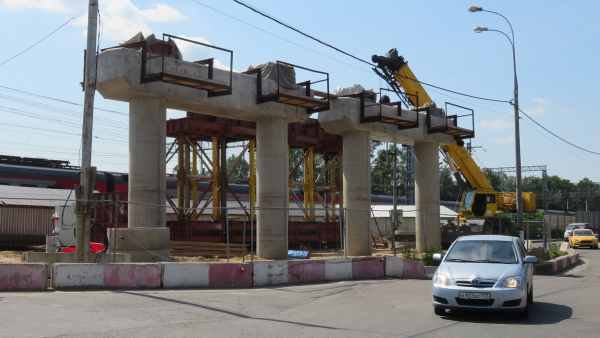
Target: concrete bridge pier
147,237
357,191
271,187
427,195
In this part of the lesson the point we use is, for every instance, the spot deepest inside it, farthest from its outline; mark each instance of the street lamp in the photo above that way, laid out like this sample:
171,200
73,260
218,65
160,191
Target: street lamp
478,29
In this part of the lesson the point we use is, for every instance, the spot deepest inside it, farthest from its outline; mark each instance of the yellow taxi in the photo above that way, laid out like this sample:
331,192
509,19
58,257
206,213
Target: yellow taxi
583,237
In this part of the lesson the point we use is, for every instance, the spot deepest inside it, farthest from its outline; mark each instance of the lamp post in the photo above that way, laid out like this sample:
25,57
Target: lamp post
516,105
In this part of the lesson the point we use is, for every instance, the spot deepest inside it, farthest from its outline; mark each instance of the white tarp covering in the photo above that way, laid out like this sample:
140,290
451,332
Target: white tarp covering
354,89
269,70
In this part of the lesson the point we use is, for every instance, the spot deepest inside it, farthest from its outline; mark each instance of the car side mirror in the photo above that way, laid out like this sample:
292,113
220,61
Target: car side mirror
530,259
437,257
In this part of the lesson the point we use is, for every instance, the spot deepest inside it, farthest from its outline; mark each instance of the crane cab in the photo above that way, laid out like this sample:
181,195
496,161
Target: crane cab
479,204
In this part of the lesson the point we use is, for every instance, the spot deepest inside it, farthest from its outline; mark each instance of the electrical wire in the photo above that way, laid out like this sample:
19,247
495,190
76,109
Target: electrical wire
452,91
560,138
284,39
54,31
254,9
59,100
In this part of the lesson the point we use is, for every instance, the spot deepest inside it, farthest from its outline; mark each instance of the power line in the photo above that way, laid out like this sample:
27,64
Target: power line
254,9
560,138
59,100
284,39
54,31
451,91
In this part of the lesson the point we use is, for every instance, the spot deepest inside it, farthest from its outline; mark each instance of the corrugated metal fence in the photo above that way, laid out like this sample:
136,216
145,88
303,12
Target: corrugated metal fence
24,225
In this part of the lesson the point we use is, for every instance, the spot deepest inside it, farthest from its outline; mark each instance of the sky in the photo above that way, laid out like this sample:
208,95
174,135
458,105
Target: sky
556,52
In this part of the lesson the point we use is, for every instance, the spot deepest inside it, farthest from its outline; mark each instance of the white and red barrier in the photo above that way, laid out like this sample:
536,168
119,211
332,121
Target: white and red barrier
414,269
17,277
202,275
338,269
124,275
367,267
394,267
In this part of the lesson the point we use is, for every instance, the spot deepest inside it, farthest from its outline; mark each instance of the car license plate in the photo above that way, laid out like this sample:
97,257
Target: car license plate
474,295
450,231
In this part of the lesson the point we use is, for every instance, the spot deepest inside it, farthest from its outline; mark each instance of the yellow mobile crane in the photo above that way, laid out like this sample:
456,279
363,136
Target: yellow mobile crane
480,201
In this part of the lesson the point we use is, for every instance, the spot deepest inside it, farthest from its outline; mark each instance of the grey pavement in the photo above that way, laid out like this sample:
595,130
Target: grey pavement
565,305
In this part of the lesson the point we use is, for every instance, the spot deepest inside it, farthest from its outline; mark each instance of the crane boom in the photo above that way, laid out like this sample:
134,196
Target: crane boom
480,199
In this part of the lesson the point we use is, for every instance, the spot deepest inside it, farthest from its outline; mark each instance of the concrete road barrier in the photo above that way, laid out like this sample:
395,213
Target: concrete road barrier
338,269
17,277
185,275
414,269
125,275
430,271
132,275
309,271
394,267
367,267
230,275
270,273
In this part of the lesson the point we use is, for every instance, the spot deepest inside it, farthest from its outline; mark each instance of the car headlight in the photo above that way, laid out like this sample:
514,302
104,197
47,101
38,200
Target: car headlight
577,239
511,282
440,280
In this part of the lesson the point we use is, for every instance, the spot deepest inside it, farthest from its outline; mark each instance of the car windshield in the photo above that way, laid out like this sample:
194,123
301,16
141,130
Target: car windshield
583,233
482,252
570,227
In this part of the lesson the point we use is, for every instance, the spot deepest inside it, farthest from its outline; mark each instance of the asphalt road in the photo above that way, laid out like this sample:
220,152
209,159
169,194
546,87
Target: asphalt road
565,306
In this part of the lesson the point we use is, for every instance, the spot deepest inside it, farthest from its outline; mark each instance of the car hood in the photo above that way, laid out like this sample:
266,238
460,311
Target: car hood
585,238
457,270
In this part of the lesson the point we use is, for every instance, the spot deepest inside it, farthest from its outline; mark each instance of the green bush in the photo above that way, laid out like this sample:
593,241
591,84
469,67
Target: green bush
555,252
427,256
408,252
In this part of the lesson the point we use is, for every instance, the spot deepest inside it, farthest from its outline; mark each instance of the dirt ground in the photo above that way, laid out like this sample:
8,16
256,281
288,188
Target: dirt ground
11,256
16,256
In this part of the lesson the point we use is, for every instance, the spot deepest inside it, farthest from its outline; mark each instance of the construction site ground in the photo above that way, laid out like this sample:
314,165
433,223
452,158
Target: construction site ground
17,256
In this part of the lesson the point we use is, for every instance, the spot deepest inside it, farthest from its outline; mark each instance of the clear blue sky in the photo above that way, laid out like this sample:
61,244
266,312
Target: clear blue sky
556,42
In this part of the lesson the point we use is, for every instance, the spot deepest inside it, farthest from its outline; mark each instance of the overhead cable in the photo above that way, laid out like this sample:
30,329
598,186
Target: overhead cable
560,138
254,9
284,39
59,100
451,91
54,31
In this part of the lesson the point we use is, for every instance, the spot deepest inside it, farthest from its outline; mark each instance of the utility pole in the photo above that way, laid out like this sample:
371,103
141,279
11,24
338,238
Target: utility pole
87,174
395,204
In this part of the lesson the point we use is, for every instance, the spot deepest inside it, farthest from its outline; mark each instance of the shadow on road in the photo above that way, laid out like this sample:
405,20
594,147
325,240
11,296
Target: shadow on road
540,314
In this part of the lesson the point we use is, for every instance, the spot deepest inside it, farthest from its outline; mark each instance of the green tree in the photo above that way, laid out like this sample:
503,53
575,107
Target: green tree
242,169
449,189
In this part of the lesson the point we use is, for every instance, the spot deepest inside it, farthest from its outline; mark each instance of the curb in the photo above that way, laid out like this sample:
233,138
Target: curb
67,276
557,265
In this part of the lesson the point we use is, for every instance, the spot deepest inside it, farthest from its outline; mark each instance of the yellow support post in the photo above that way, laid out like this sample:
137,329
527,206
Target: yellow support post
215,178
311,181
252,177
194,183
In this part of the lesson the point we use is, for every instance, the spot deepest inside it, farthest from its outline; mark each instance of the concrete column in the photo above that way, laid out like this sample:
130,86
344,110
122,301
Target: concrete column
427,195
357,192
271,181
147,237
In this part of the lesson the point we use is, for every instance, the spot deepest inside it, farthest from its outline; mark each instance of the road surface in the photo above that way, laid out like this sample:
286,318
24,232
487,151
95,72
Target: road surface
565,306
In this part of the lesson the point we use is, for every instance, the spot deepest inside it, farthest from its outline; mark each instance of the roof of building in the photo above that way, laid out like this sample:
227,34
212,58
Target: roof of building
383,211
15,195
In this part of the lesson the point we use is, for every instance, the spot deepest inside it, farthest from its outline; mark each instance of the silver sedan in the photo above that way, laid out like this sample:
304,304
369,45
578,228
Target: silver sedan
488,272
